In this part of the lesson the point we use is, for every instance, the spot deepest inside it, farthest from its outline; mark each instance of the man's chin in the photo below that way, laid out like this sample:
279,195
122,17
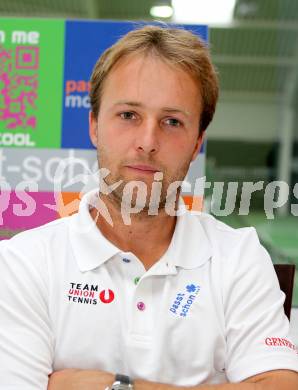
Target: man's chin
148,209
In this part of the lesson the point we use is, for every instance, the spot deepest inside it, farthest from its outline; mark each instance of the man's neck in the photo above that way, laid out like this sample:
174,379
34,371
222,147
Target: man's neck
147,237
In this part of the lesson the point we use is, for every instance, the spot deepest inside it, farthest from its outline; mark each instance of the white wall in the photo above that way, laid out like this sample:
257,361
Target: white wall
246,120
296,123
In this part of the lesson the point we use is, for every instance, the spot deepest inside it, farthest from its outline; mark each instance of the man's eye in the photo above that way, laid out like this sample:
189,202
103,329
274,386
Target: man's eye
173,122
127,115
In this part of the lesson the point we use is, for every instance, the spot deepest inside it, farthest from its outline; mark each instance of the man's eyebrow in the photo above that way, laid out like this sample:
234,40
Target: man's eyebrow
166,109
176,110
128,103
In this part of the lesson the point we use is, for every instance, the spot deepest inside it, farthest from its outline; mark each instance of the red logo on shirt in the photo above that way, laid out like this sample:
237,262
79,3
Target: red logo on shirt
278,342
89,294
107,296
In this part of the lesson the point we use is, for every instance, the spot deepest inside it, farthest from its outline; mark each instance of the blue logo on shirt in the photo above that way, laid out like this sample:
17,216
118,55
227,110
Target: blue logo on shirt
184,300
191,288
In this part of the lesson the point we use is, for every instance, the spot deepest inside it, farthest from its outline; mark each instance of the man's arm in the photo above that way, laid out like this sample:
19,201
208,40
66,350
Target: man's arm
273,380
100,380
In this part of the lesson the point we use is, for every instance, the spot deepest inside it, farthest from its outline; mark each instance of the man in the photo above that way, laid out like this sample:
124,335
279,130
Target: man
163,301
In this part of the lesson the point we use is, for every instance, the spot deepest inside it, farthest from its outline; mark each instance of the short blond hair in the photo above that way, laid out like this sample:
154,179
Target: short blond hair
175,46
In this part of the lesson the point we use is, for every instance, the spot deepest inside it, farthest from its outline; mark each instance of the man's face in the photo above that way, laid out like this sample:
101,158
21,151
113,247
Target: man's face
148,122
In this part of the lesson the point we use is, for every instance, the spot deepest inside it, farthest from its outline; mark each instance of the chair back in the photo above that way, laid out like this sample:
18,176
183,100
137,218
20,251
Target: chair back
285,274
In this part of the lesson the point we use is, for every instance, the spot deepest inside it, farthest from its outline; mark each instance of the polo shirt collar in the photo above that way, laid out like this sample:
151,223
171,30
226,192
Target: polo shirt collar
189,248
90,247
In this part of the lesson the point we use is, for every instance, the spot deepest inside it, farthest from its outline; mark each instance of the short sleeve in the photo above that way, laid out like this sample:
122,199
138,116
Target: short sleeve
256,326
26,342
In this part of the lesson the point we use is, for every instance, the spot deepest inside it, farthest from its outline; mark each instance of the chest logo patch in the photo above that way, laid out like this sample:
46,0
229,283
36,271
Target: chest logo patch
184,300
89,294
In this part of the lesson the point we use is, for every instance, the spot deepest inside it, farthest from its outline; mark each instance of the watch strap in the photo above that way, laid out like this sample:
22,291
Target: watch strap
122,382
123,379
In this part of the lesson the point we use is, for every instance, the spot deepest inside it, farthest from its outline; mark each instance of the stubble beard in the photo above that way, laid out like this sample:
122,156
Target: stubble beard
117,198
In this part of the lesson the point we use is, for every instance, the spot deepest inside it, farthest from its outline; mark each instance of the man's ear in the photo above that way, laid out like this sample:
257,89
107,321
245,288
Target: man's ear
198,145
93,128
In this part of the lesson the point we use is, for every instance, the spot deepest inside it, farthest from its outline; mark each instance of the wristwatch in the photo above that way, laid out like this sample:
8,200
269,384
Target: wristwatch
122,382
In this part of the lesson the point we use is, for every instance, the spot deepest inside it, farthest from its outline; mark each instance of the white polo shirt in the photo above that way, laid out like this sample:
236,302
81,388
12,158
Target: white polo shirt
209,311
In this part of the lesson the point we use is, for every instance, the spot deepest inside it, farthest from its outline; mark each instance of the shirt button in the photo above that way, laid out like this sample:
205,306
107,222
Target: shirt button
141,306
136,280
126,260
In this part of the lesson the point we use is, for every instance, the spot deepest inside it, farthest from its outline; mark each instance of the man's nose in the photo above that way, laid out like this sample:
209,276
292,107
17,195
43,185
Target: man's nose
147,138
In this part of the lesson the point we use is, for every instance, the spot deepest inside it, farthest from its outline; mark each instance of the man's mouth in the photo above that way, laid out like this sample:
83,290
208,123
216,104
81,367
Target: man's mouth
143,168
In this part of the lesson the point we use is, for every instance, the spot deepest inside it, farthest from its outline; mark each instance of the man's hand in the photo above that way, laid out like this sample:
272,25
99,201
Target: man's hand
73,379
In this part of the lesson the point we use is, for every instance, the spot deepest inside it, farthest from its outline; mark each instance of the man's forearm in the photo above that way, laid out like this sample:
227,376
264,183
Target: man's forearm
75,379
271,380
143,385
